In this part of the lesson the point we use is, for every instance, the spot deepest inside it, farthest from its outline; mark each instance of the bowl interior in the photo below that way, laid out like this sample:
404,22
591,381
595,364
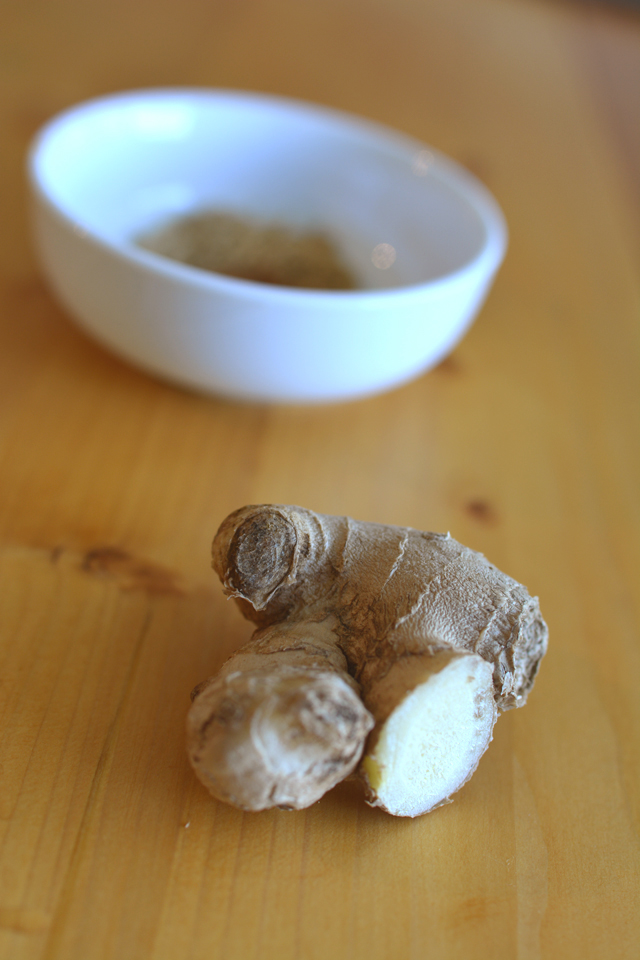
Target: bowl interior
125,164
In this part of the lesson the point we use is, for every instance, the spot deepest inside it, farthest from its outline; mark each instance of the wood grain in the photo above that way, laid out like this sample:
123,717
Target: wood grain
523,443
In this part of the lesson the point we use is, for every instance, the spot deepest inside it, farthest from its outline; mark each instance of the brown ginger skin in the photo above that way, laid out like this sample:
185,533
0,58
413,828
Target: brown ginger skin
345,601
281,723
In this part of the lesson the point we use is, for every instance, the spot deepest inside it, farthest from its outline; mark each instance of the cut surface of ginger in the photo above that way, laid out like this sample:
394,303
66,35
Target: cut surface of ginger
433,740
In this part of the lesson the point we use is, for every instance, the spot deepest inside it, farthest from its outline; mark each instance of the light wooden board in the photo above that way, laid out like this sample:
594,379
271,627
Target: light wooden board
524,444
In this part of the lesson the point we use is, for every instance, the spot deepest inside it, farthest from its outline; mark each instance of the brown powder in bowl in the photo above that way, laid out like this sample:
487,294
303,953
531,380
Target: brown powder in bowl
266,253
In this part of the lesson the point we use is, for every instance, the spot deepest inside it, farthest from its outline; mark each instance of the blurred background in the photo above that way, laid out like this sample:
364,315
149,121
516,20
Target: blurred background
523,443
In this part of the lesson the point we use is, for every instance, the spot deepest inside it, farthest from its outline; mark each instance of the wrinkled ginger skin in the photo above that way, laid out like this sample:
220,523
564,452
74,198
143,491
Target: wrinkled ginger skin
348,600
281,723
394,591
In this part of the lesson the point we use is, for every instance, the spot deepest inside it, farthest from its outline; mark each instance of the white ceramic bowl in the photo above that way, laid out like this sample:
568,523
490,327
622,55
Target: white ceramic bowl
107,170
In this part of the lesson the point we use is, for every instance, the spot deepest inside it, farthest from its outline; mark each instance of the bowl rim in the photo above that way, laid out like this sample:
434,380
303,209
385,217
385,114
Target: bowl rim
456,176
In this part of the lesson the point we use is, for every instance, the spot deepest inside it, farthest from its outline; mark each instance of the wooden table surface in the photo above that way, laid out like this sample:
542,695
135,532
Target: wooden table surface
524,444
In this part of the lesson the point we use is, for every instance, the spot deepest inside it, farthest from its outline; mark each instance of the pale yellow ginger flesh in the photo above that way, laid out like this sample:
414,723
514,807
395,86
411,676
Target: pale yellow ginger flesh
381,650
433,740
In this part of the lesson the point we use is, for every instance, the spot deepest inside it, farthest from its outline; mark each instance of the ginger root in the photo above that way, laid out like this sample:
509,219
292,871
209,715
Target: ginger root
379,649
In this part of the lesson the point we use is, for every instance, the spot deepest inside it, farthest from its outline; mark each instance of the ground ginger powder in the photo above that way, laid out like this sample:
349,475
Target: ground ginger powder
238,247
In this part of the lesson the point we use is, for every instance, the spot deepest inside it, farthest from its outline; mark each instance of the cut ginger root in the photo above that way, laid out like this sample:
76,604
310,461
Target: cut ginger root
380,650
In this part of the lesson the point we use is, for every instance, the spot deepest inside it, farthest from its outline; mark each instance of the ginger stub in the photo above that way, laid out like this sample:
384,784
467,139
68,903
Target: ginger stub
381,650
